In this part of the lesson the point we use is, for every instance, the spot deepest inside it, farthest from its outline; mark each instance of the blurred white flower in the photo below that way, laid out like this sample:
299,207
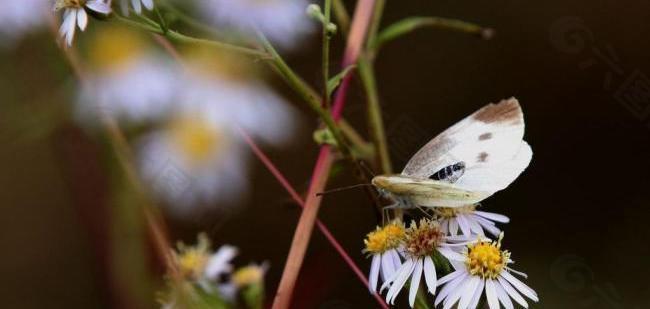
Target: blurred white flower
137,5
283,21
485,269
127,81
199,156
74,14
17,18
469,221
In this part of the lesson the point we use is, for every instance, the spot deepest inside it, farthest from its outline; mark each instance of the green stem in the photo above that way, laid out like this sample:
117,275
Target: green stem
326,53
375,118
421,300
342,17
296,83
181,38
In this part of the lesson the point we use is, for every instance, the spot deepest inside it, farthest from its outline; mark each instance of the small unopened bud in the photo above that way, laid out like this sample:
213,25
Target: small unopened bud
314,11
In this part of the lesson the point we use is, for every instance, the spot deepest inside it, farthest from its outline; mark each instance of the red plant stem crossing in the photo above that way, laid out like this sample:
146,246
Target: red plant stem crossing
302,235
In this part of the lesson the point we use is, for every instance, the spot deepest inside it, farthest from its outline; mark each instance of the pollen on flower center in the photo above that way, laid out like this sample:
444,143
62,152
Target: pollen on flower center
486,259
452,212
196,139
192,262
60,4
385,238
423,239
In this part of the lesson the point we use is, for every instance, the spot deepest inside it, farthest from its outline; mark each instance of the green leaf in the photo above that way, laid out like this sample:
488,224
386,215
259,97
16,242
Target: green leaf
411,24
325,136
335,81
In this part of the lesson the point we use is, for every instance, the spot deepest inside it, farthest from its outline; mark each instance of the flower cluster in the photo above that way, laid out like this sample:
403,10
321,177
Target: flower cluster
207,277
469,262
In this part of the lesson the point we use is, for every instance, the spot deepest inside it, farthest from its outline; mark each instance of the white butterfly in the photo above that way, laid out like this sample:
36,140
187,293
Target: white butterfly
473,159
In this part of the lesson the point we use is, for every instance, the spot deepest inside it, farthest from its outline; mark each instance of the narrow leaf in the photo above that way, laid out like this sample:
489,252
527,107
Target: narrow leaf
335,81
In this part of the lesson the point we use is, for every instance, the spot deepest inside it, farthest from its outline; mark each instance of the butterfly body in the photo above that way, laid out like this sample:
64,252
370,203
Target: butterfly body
475,158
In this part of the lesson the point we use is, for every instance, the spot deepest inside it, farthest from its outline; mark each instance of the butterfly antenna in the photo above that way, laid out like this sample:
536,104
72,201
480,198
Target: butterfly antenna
343,189
364,164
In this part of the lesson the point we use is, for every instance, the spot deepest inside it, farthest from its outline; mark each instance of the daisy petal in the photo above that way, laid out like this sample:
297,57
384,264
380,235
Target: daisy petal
137,6
492,298
477,294
492,216
450,287
464,226
415,282
523,288
503,296
453,227
451,255
82,20
402,276
468,293
374,273
430,277
512,292
99,6
148,4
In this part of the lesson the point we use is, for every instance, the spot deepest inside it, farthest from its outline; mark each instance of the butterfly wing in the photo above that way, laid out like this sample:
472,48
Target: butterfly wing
498,176
488,141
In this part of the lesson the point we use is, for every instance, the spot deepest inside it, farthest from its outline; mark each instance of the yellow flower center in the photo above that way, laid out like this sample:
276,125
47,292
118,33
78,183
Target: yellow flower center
423,239
486,260
192,263
248,275
385,238
449,212
115,48
62,4
197,140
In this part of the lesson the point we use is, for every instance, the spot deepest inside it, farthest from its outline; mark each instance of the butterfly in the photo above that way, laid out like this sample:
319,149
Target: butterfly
470,161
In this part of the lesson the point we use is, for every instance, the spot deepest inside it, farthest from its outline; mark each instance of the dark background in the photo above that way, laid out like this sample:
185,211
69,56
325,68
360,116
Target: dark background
579,224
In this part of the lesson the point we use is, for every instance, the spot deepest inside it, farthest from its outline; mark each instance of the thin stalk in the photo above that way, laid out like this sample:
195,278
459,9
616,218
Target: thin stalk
120,145
181,38
323,165
342,17
296,197
375,118
326,53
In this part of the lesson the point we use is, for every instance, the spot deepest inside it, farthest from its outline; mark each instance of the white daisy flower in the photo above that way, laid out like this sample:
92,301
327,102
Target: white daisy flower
282,21
128,81
74,14
485,269
469,221
17,18
136,4
422,241
383,246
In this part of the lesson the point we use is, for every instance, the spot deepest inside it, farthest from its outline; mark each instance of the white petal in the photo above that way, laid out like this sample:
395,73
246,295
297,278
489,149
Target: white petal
464,226
493,300
453,226
387,265
492,216
503,296
99,6
451,255
468,292
82,19
457,293
444,226
71,26
148,4
430,276
520,286
473,225
489,226
219,262
451,276
517,272
402,276
450,287
137,6
124,5
397,261
373,277
415,282
512,292
477,294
